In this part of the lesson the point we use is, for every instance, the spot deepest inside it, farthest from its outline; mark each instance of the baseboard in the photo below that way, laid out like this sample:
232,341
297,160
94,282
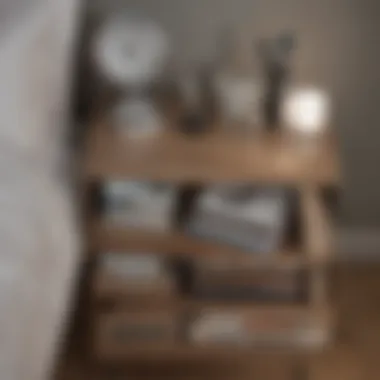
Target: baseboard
358,244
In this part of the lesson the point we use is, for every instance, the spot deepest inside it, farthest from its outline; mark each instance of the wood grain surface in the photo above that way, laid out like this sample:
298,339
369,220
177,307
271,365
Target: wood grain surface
281,320
218,155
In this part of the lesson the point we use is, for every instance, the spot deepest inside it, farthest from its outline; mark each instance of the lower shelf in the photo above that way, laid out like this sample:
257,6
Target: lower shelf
285,329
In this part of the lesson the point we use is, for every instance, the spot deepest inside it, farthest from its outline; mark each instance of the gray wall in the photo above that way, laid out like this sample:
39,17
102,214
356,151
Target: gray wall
337,51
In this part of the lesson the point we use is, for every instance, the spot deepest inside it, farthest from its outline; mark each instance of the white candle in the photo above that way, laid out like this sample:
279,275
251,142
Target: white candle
306,110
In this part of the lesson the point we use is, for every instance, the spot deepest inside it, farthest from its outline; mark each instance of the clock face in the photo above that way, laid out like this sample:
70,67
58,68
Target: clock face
131,51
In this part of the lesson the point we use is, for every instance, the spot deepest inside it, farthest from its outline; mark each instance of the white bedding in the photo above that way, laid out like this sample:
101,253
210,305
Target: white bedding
38,236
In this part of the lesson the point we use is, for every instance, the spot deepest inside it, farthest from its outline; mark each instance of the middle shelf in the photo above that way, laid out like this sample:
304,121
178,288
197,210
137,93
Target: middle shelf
105,237
312,246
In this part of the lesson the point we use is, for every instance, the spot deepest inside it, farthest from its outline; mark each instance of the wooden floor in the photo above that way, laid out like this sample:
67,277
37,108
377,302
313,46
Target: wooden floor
355,355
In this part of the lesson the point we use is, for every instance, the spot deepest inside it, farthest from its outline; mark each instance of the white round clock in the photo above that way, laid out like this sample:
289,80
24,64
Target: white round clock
131,50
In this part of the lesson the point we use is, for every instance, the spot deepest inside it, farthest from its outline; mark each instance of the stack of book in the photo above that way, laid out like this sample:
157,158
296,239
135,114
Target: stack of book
136,204
133,328
246,326
137,276
247,217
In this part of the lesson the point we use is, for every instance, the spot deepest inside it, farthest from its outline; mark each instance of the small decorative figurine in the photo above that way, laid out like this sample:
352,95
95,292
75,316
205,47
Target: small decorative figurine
276,59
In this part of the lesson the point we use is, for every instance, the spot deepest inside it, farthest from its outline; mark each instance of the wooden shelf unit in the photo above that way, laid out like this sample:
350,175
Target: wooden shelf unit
217,156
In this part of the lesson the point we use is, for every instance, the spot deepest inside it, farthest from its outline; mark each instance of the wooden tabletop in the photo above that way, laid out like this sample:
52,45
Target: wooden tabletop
218,155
